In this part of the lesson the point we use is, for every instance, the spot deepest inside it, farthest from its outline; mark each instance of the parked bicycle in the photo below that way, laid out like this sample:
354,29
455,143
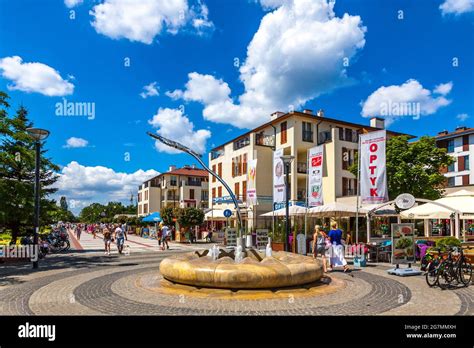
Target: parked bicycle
443,270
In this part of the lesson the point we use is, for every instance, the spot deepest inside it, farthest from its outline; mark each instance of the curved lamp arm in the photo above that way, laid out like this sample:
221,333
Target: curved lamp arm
197,156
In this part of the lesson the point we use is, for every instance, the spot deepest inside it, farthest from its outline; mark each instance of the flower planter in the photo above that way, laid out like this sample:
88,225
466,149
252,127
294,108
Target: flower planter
278,246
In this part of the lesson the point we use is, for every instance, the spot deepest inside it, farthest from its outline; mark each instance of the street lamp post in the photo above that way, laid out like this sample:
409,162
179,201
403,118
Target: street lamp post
38,135
197,156
287,159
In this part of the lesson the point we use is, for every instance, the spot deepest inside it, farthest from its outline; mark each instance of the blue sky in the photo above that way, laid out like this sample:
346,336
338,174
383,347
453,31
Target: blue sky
220,67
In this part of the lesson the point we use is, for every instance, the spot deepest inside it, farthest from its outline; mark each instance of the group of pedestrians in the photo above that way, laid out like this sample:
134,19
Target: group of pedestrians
332,243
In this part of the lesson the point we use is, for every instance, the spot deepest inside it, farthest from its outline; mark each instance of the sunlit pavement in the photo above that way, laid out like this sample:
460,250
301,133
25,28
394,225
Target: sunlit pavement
91,283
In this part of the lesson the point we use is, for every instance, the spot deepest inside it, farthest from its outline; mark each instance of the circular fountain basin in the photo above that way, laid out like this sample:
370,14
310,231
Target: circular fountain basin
255,271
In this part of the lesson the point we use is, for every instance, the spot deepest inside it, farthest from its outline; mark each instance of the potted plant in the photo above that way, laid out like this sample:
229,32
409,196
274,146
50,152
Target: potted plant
278,239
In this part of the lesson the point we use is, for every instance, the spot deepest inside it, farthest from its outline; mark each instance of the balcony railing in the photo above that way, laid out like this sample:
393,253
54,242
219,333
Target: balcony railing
324,137
302,167
238,144
193,183
262,139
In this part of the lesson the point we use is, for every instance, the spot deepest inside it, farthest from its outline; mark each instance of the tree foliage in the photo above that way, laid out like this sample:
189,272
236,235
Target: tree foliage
168,214
189,217
17,172
414,167
96,212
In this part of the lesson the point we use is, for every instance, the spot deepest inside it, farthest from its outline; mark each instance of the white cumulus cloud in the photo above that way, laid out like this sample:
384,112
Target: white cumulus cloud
407,99
150,90
143,20
72,3
456,7
298,53
34,77
462,117
84,185
74,142
174,125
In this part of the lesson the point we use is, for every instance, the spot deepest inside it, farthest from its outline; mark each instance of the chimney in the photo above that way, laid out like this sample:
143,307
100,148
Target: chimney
276,114
461,128
171,168
444,132
193,166
308,111
320,113
377,122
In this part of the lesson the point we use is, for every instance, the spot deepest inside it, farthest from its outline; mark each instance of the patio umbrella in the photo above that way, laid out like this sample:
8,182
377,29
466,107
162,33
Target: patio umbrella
153,217
294,210
336,209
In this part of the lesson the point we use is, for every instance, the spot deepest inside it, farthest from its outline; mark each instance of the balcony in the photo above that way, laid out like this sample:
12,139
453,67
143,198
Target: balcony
216,154
324,137
262,139
193,183
242,142
302,167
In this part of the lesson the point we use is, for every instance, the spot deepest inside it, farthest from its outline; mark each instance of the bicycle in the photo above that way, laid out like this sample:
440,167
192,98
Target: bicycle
454,268
431,268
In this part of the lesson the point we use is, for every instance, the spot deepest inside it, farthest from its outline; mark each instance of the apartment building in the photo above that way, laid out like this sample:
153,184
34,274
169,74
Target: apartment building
460,145
294,132
178,187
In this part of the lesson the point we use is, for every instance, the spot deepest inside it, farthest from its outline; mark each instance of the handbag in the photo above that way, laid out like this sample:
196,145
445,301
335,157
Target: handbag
328,244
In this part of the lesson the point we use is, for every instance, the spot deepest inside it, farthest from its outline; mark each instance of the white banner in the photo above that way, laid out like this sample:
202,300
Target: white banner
315,176
278,177
251,182
373,172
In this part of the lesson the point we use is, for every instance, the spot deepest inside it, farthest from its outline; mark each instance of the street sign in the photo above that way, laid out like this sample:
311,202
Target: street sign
227,213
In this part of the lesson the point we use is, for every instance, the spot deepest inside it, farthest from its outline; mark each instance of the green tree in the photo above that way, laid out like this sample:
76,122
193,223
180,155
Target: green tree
17,173
168,214
189,217
414,167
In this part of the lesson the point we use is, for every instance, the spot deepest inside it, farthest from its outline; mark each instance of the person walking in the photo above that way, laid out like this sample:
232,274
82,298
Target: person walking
107,239
337,251
165,235
319,245
120,236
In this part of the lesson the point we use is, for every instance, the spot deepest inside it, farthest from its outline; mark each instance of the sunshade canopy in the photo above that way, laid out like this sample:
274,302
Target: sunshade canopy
336,209
153,217
294,210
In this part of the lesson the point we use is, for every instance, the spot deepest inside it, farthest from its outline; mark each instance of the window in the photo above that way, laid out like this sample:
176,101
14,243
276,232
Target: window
283,132
242,142
341,133
324,137
145,208
348,135
450,145
451,167
213,192
244,164
465,180
466,162
219,169
244,190
139,209
307,132
204,195
146,195
451,181
139,197
237,190
214,170
219,191
173,180
191,194
348,186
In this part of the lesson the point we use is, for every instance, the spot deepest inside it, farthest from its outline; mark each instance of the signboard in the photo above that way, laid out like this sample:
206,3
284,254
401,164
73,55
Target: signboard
405,201
403,243
252,182
227,213
301,243
278,177
231,237
373,173
315,176
262,238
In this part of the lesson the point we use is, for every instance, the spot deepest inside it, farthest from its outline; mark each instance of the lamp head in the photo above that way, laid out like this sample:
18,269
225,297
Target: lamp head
173,144
287,159
37,133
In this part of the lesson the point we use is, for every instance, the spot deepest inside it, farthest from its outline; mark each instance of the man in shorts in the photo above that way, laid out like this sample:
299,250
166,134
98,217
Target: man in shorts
165,236
120,236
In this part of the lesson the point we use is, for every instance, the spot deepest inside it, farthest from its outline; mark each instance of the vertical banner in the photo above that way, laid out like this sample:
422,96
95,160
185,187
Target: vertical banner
373,172
278,178
251,182
315,176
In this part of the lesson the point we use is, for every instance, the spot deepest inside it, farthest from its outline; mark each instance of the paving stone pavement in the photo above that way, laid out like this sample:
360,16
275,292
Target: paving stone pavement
85,283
